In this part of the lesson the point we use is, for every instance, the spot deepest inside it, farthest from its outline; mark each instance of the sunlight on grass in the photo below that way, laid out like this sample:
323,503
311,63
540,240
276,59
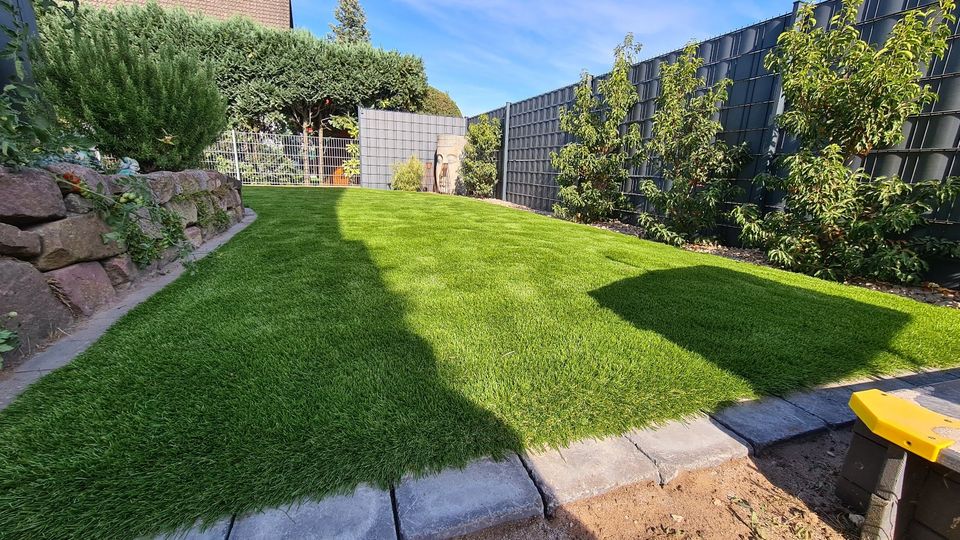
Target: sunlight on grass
350,336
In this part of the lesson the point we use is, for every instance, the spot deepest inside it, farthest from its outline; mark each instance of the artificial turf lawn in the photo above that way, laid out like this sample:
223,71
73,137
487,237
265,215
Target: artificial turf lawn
350,335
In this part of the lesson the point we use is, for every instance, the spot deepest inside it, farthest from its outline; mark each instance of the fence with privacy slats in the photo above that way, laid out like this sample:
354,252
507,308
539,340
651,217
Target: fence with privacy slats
929,150
269,159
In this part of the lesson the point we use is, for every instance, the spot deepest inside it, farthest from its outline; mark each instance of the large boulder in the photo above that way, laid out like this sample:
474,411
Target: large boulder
191,181
93,180
74,239
194,236
39,313
163,185
77,204
29,196
229,198
17,243
83,286
185,209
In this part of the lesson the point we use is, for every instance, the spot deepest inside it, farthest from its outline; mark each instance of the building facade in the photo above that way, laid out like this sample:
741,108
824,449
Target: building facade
273,13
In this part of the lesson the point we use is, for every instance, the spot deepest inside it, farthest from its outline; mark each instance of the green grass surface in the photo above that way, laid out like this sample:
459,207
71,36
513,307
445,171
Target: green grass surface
349,336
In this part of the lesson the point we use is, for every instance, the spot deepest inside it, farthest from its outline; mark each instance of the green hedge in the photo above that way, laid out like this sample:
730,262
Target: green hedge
273,79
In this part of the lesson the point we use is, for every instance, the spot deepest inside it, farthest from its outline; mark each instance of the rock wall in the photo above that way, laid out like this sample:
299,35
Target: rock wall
56,267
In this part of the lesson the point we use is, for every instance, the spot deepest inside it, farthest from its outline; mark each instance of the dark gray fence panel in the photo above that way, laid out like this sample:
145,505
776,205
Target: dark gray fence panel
390,137
499,114
929,150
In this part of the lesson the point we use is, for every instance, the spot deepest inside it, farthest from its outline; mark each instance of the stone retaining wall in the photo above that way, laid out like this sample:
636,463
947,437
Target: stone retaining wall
55,265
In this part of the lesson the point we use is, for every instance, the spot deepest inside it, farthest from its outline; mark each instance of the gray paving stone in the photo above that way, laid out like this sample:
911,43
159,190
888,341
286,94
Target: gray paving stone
926,378
216,531
687,445
455,502
588,468
832,403
365,514
768,421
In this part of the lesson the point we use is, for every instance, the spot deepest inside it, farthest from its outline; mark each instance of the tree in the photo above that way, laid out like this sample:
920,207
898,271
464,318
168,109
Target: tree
478,168
439,103
687,154
351,24
846,97
592,169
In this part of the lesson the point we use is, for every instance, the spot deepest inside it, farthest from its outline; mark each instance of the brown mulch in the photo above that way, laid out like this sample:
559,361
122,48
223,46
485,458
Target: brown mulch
787,492
929,293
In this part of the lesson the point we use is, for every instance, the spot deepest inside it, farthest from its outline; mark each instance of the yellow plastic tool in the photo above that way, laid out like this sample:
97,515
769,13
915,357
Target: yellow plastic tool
903,422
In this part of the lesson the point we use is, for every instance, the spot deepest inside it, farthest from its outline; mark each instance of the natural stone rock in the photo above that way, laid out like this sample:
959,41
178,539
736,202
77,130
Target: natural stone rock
120,269
149,227
194,236
29,196
25,291
163,185
77,204
190,181
74,239
202,178
229,198
83,286
223,180
17,243
93,180
185,209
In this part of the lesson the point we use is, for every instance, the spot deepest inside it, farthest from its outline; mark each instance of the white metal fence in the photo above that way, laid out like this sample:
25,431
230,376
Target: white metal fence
269,159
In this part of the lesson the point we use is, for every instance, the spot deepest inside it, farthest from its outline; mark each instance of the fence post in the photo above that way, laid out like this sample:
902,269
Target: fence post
236,155
505,150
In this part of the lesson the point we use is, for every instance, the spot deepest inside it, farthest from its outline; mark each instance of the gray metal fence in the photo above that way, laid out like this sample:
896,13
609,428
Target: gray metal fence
532,129
390,137
270,159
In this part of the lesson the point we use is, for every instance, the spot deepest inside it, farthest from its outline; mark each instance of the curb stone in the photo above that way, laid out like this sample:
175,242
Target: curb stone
831,403
768,421
455,502
588,468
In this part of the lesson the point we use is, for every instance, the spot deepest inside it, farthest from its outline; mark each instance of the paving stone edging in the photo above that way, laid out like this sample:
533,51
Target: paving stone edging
87,332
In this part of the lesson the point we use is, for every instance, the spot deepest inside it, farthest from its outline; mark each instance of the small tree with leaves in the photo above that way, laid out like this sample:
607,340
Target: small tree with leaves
845,98
591,170
351,24
685,150
478,169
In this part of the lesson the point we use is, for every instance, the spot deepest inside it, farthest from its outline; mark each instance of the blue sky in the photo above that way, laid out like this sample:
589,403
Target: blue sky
487,52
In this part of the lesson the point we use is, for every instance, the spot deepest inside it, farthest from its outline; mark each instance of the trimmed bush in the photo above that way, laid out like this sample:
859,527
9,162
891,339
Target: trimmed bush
275,80
408,175
159,106
439,103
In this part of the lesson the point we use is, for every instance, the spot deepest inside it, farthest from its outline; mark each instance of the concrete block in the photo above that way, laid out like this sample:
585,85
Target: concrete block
686,445
588,468
216,531
768,421
832,403
926,378
454,502
367,514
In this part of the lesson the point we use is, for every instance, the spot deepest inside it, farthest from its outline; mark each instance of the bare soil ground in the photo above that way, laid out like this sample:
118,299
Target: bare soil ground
788,492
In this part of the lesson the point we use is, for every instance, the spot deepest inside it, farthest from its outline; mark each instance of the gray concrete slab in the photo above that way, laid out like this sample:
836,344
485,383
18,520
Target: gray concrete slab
768,421
588,468
686,445
215,531
925,378
942,398
365,514
454,502
831,403
85,333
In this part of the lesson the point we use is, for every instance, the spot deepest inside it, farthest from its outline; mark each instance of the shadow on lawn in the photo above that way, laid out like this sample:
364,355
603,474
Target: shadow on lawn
283,369
774,336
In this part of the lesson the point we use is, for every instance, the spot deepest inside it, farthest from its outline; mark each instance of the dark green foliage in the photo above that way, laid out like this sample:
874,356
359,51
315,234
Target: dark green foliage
154,104
591,171
356,335
277,80
439,103
685,149
478,168
846,97
408,175
351,24
28,125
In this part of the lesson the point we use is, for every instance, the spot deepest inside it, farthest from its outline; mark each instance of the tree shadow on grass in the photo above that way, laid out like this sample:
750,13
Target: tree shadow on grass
774,336
283,369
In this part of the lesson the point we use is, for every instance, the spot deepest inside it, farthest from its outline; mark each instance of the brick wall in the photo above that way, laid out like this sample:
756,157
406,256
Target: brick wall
275,13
